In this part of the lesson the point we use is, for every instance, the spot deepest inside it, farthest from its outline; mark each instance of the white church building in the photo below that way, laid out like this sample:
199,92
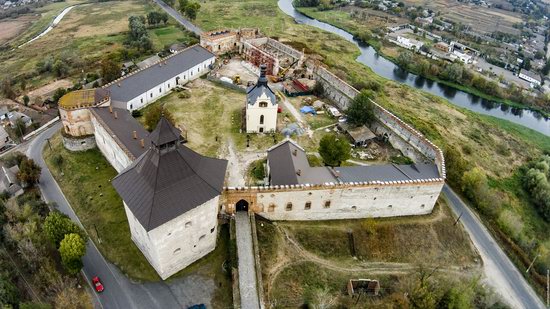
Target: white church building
261,106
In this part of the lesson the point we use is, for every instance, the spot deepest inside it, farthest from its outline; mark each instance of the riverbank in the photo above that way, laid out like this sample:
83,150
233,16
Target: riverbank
378,43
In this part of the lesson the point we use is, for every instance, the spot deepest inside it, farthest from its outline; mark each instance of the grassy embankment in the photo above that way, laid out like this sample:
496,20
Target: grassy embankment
342,19
496,146
85,179
85,35
386,249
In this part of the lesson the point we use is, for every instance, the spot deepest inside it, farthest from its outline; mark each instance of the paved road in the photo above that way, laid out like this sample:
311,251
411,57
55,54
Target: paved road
502,274
177,16
247,268
120,292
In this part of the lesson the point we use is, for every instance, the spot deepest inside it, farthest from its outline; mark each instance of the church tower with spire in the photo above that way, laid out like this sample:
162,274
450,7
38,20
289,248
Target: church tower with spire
171,197
261,106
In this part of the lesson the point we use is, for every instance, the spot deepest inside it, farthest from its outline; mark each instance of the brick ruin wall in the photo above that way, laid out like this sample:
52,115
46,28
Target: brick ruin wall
401,135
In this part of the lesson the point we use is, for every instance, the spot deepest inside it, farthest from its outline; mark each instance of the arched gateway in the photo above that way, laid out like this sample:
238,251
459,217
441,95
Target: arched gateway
241,205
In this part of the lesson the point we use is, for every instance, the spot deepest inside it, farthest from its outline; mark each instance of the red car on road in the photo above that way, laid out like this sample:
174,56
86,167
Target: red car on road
97,284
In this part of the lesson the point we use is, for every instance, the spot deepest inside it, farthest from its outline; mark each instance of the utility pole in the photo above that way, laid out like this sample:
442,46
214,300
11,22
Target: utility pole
529,268
548,288
457,219
49,145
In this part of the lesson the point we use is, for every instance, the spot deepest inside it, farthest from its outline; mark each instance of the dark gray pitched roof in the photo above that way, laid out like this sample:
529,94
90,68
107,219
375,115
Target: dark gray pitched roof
287,158
261,88
387,172
137,83
162,185
164,133
122,128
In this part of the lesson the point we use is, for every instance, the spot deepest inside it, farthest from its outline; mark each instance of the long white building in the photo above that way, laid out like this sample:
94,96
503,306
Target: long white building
140,88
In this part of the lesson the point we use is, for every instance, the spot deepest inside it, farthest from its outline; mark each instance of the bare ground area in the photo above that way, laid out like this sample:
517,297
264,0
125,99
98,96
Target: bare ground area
11,28
48,90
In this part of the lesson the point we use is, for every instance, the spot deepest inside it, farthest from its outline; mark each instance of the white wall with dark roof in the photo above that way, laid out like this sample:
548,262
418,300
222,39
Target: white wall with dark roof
178,243
254,113
110,149
158,91
352,202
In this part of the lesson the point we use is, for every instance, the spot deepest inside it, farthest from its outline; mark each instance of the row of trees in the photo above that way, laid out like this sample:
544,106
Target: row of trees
30,276
138,36
154,18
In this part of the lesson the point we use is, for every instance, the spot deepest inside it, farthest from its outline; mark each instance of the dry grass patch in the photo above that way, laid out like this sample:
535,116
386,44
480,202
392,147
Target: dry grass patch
396,240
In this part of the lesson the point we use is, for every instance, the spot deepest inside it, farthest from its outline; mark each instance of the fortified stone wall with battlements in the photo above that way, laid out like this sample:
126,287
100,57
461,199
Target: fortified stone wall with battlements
401,135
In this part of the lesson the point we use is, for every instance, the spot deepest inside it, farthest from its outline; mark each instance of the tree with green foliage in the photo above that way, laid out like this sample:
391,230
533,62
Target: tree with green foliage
471,181
110,70
405,59
334,150
29,172
192,9
57,225
7,89
72,248
138,35
26,100
361,109
152,116
9,294
170,2
60,68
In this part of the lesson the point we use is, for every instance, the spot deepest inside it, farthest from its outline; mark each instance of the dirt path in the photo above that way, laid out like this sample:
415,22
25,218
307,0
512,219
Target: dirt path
238,164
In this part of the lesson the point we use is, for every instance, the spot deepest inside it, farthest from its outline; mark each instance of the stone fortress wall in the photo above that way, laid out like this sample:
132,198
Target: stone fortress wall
401,135
79,143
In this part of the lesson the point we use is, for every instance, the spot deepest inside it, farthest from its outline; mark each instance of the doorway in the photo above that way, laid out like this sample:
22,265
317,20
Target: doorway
241,205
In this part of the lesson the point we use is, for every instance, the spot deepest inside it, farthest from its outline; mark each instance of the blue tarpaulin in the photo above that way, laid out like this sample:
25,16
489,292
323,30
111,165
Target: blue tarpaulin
308,110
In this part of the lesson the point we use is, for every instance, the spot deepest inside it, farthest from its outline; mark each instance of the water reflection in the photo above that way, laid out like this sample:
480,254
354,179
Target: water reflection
389,70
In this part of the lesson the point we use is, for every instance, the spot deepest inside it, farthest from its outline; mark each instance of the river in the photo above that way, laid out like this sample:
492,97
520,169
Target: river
54,23
390,70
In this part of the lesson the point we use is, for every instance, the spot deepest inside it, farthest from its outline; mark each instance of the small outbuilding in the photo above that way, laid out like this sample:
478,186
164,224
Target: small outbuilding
360,136
9,182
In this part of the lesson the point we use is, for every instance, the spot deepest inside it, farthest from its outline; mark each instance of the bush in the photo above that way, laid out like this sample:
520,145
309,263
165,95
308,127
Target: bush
334,150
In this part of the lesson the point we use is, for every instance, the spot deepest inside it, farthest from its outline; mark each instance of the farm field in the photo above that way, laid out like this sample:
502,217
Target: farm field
11,28
86,34
480,19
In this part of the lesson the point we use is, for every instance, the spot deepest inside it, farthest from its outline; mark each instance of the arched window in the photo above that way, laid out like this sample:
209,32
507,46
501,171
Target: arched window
262,119
271,208
289,206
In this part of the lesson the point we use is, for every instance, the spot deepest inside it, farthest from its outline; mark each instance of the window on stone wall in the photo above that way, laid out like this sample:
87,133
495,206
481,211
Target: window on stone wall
131,106
327,204
288,206
390,206
188,224
271,208
151,94
212,230
160,90
263,104
202,237
423,205
308,206
178,250
354,207
141,100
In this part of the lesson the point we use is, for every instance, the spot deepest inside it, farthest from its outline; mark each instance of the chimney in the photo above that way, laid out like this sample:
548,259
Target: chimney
116,115
295,152
299,172
142,143
110,109
134,134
